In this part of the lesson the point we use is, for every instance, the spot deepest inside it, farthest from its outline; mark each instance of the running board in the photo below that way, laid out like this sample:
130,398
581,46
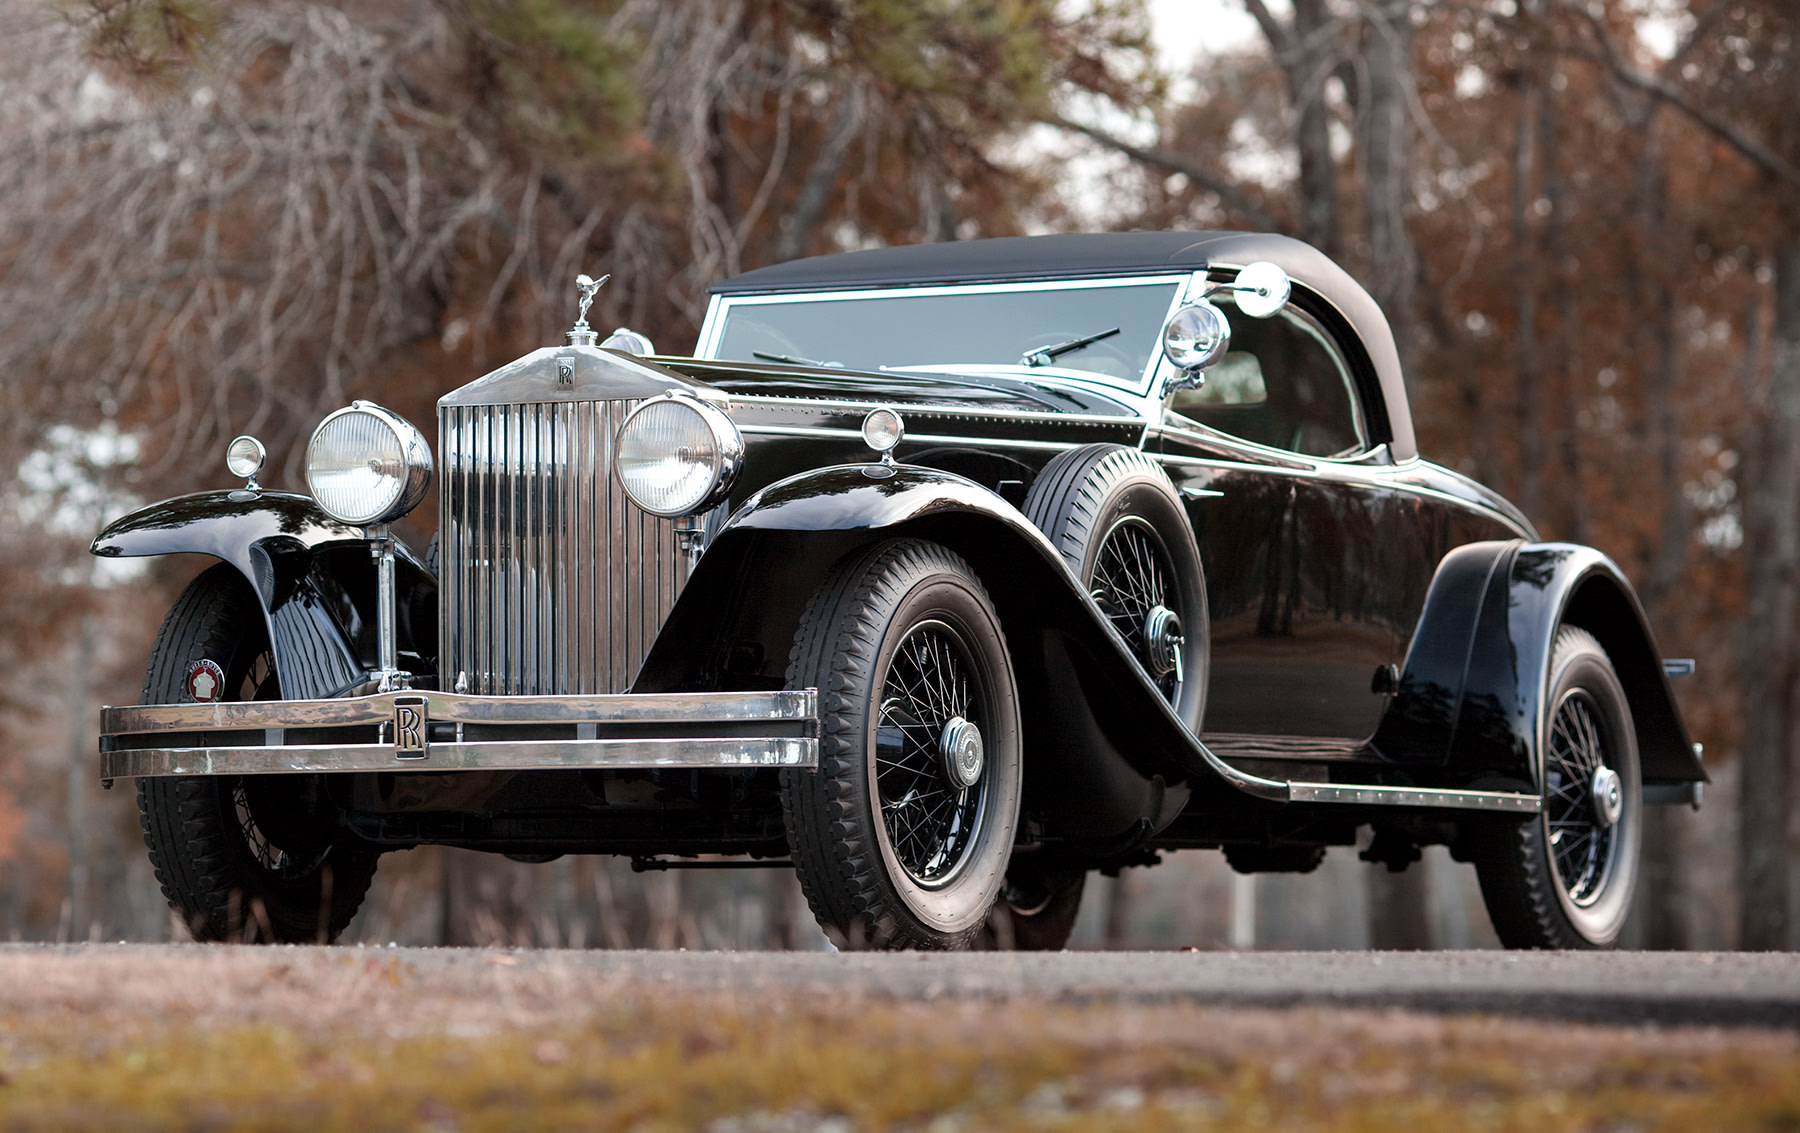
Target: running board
1301,792
1353,794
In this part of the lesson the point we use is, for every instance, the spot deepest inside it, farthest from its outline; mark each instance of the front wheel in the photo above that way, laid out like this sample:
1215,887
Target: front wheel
901,836
1564,879
249,857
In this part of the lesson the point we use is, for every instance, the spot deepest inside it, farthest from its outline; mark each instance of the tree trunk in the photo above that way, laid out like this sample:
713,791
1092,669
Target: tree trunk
1315,57
1387,166
1308,51
1525,290
1772,560
1396,900
1563,309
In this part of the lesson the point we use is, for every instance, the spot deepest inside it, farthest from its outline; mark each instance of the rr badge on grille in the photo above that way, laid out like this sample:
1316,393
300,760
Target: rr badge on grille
410,718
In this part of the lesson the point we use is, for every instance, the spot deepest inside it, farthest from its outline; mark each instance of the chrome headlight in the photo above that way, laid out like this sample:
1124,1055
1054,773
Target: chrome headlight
678,455
367,465
1196,336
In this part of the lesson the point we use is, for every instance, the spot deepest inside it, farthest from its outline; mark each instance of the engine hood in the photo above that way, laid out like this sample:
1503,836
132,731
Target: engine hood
919,390
569,373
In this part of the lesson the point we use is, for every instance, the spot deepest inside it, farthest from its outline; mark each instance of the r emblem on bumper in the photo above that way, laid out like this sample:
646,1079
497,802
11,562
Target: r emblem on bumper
409,727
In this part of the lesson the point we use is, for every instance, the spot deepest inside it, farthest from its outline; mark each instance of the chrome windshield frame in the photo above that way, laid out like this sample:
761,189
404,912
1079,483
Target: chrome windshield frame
1141,391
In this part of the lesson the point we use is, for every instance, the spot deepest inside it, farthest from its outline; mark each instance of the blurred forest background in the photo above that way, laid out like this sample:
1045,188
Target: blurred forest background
1582,216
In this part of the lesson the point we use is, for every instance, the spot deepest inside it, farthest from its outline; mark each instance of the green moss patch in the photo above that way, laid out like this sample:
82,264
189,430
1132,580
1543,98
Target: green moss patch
773,1062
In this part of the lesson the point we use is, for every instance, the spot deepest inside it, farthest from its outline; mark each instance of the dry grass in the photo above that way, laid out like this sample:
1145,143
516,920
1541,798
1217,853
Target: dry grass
307,1038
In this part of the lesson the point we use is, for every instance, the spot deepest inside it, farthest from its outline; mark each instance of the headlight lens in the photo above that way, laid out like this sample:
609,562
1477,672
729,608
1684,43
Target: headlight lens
367,465
678,455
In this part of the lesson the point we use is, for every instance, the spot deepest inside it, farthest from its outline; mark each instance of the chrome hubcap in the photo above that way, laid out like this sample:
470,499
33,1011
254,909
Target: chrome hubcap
1609,797
962,752
1163,642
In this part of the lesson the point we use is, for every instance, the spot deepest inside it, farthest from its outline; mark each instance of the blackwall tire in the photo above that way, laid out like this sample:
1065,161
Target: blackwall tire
241,858
901,640
1564,878
1121,528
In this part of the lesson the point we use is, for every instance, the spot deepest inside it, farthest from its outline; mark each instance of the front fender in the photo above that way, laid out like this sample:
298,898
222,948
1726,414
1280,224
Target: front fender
311,574
1105,750
1472,695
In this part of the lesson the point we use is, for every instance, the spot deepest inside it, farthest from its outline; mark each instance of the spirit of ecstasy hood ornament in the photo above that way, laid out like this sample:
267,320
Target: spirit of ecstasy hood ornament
581,334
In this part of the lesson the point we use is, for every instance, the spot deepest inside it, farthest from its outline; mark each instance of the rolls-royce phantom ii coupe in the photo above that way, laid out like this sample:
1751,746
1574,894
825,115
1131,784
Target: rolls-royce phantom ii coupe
946,574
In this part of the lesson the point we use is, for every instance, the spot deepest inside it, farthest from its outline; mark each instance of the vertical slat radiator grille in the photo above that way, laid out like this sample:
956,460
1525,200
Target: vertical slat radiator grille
551,580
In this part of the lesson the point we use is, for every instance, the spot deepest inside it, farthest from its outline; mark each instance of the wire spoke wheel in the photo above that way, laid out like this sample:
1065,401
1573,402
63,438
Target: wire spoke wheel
263,848
1132,576
930,821
1582,846
902,835
1564,878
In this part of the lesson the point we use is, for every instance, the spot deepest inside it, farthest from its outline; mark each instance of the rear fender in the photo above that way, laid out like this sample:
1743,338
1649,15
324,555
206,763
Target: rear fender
1471,698
1105,751
312,576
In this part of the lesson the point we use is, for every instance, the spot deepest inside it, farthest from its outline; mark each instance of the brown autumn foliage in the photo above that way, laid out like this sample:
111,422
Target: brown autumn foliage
216,220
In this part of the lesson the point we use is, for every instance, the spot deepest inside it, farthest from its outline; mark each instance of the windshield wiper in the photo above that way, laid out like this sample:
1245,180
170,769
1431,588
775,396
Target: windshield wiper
792,360
1049,354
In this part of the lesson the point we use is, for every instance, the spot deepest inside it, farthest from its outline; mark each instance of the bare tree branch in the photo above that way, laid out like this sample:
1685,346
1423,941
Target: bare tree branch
1656,85
1230,194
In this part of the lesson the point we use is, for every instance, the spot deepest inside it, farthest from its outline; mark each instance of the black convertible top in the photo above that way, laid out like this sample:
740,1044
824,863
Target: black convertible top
1090,255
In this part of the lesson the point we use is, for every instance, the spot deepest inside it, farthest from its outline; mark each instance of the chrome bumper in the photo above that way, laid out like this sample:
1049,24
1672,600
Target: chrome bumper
445,731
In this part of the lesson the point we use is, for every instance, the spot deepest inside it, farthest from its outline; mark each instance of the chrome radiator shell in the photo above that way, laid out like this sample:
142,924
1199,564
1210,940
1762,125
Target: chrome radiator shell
551,582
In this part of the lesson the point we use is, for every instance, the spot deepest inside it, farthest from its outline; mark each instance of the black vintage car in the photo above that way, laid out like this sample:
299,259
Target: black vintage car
949,573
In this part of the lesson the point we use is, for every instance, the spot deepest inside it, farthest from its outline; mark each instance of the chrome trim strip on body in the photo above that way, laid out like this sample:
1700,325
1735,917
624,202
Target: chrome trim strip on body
699,708
739,400
1253,785
1353,794
912,438
1383,476
502,755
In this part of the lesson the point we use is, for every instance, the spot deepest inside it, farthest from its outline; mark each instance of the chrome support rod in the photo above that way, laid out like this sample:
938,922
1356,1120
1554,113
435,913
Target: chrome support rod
388,674
690,538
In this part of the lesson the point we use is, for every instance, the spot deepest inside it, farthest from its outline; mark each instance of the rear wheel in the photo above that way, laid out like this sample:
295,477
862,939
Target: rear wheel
901,836
250,857
1564,879
1036,911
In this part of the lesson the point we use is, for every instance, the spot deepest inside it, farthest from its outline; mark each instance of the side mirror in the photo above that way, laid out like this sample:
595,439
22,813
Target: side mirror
1261,289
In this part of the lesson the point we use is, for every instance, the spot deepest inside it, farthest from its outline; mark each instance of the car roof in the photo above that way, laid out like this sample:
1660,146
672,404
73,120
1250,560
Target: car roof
1093,254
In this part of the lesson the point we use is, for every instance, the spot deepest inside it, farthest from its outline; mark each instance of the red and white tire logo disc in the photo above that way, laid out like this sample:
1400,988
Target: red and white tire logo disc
205,682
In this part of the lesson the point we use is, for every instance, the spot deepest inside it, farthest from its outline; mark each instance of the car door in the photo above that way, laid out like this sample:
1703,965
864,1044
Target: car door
1304,549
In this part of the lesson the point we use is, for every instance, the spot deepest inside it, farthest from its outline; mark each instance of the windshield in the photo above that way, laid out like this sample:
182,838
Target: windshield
943,326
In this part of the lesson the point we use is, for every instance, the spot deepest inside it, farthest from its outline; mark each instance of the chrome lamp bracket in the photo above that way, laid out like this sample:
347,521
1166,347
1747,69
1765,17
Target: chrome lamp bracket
389,677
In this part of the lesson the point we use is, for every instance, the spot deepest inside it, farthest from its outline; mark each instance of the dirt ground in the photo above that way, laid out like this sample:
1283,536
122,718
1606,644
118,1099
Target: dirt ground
288,1038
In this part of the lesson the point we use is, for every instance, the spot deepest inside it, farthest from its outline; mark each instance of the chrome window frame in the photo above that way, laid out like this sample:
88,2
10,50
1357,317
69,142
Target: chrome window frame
1308,325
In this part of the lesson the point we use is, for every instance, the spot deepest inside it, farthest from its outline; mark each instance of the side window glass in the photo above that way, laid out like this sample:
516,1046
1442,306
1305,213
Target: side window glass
1282,385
